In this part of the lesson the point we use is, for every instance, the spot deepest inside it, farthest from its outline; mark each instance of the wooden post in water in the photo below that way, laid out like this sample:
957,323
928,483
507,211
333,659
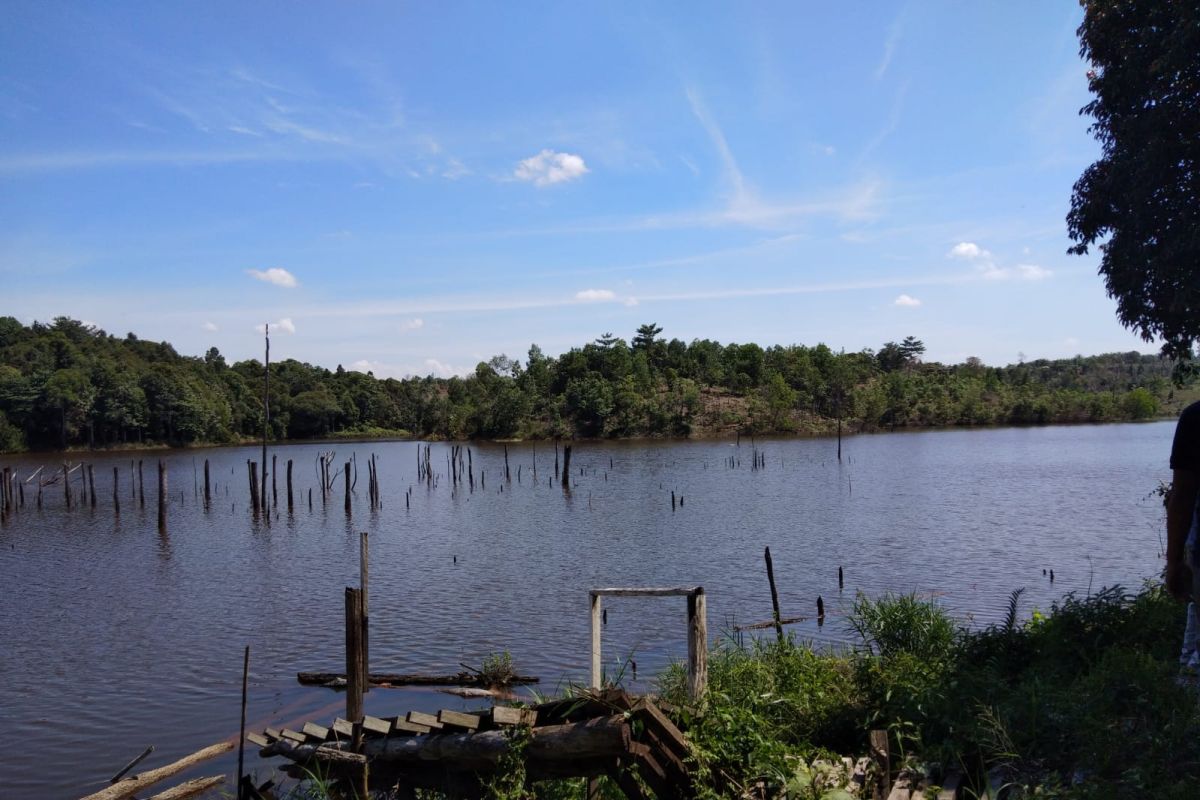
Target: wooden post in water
354,655
597,621
91,476
141,487
116,492
252,472
366,616
266,412
507,474
347,477
566,470
242,735
274,487
162,495
207,486
774,595
289,486
697,608
67,483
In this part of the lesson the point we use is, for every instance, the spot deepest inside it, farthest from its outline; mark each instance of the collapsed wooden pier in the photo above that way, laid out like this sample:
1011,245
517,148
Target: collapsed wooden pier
599,733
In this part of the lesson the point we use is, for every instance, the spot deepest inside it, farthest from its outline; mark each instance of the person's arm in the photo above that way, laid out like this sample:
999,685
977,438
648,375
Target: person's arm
1180,507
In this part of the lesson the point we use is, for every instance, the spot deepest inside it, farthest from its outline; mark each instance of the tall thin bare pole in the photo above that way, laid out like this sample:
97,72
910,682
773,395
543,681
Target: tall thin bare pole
266,409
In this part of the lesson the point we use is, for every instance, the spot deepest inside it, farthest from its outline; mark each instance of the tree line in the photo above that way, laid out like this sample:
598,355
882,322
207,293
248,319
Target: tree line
67,384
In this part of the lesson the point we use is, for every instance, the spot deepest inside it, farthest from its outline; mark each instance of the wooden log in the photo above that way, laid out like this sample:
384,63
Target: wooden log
190,788
697,608
338,679
774,595
550,745
131,764
354,667
328,753
136,783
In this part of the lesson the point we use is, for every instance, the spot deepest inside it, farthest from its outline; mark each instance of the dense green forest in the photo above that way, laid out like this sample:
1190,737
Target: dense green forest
67,384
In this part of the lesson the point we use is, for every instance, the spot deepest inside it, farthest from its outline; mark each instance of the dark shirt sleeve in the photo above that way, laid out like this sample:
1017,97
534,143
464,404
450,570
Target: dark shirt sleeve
1185,451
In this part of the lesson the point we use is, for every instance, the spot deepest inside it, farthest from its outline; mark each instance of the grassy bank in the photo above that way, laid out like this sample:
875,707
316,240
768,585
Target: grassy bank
1083,701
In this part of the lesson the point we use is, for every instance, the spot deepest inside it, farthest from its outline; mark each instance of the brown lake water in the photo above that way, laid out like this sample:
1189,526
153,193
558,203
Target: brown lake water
114,636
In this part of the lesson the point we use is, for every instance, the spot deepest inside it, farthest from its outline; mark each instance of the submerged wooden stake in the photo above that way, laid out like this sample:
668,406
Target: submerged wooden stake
289,486
162,495
354,659
774,595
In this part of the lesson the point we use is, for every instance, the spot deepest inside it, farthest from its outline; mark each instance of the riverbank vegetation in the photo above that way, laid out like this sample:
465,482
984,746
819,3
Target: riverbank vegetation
67,384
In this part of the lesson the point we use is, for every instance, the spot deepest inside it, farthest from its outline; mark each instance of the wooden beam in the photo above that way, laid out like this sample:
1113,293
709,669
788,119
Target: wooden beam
130,786
507,715
421,718
676,591
190,788
458,719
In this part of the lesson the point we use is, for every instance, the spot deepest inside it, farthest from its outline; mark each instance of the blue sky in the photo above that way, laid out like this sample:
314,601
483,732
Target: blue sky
413,188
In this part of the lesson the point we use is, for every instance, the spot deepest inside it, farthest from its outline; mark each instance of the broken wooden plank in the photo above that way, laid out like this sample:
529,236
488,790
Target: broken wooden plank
190,788
421,718
127,787
295,736
401,725
257,739
343,727
457,719
376,725
271,733
509,715
315,731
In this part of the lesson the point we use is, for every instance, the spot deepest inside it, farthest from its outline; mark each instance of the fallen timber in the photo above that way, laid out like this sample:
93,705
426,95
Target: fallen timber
598,733
384,679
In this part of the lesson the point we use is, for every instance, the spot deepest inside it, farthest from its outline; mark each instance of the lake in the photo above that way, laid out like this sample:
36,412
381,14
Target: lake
115,636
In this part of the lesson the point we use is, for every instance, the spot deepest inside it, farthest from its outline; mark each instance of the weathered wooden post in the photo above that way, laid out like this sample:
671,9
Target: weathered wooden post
697,644
507,474
347,481
207,486
274,488
362,588
91,476
252,473
566,470
289,486
354,659
116,492
141,487
67,484
162,495
597,621
774,595
841,580
242,734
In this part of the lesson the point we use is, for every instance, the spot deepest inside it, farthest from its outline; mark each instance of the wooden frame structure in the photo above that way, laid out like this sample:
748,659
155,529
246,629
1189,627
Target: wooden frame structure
697,622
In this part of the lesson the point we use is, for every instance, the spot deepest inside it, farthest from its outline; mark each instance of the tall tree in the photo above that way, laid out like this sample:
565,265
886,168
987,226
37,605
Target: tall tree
1141,200
646,334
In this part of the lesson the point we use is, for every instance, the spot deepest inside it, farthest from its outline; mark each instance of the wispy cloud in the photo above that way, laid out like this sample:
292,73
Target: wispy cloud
595,295
284,325
441,369
985,264
211,327
276,275
416,323
907,301
889,47
548,168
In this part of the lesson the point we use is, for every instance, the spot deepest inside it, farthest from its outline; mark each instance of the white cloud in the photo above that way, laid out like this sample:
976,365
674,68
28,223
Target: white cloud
275,275
455,169
630,302
284,325
595,295
969,251
1032,272
549,167
210,326
906,300
412,324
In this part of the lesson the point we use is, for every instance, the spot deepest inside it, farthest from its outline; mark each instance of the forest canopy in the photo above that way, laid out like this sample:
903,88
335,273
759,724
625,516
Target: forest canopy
66,384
